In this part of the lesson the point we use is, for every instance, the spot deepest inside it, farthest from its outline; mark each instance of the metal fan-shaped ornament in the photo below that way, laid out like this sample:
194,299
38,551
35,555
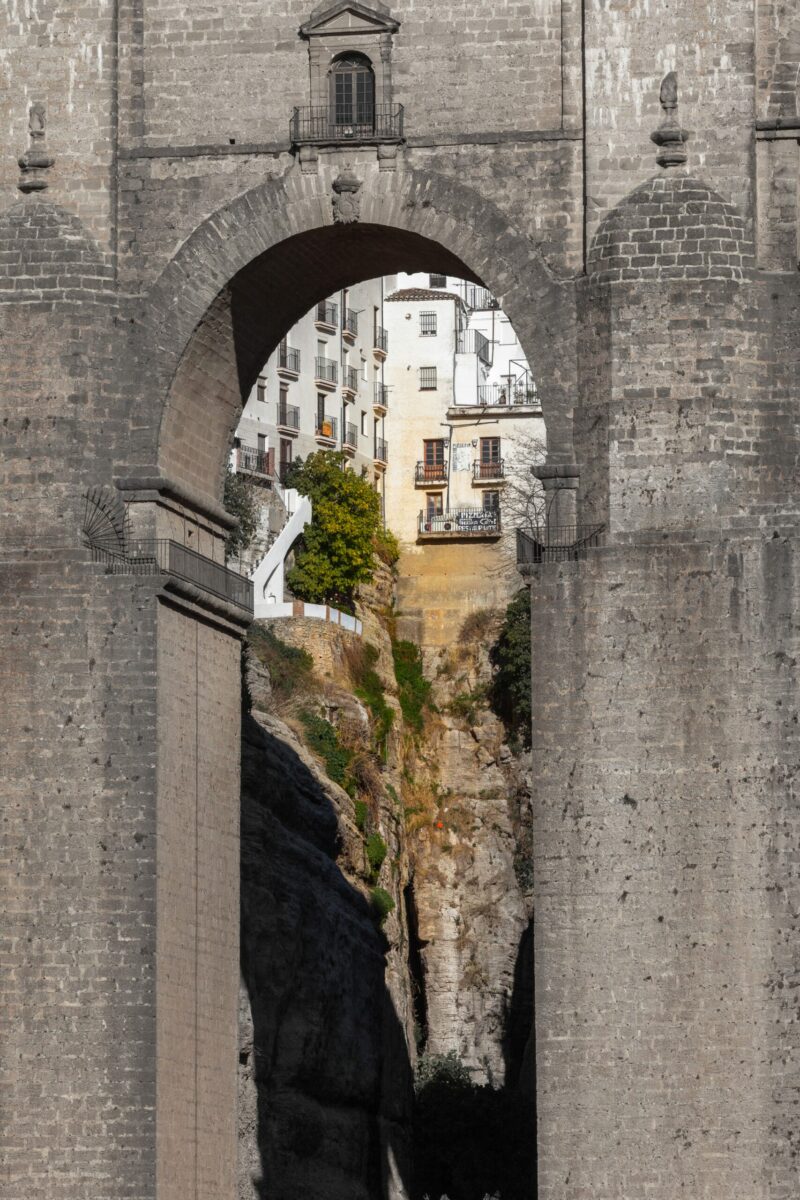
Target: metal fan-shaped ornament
105,521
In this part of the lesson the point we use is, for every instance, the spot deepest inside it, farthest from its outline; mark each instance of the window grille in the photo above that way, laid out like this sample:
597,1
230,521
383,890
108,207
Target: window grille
438,281
427,324
427,379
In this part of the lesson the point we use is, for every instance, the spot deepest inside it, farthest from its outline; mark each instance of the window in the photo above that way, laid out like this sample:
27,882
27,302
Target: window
320,409
261,390
490,450
427,324
353,92
433,452
427,379
491,502
438,281
434,504
363,424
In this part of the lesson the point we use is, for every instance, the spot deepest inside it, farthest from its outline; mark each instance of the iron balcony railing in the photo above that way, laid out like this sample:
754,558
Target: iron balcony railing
489,470
431,472
472,341
351,379
351,435
381,339
288,358
381,450
327,369
492,394
560,543
260,462
461,522
328,427
350,324
327,313
478,298
289,416
324,123
162,556
382,395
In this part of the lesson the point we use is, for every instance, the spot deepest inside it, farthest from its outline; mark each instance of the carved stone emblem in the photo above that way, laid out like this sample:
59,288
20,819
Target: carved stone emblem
346,200
36,160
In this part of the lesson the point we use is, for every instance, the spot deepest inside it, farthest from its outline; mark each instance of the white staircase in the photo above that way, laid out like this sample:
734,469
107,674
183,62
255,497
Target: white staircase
268,575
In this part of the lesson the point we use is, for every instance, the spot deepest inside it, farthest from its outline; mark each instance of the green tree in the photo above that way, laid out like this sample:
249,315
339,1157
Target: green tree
240,501
510,690
336,551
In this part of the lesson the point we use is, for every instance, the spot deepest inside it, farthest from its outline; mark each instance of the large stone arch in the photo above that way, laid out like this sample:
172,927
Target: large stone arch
254,267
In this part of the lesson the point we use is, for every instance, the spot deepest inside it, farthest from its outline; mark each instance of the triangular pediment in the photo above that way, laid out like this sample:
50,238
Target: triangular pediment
350,18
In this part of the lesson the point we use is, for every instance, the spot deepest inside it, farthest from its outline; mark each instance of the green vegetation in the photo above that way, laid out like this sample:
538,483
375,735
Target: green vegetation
290,669
361,810
239,499
336,551
377,850
465,705
387,547
361,660
323,739
510,690
382,904
414,690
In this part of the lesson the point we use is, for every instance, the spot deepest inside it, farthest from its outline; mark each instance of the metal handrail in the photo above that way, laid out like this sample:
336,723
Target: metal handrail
352,379
350,324
323,123
381,450
249,458
559,543
382,339
327,369
163,556
289,416
327,427
489,470
351,435
289,359
382,395
431,472
327,313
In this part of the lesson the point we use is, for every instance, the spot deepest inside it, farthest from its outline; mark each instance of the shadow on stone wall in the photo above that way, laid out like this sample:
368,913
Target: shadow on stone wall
325,1080
473,1141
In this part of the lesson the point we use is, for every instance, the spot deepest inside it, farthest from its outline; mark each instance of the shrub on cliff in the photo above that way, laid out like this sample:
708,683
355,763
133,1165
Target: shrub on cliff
414,690
240,501
336,551
510,689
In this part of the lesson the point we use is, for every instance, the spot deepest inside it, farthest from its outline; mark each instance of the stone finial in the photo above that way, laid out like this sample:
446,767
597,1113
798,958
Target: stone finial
346,200
670,137
35,162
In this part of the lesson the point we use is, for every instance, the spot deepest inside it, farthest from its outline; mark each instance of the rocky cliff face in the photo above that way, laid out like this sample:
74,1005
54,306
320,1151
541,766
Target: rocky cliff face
335,1007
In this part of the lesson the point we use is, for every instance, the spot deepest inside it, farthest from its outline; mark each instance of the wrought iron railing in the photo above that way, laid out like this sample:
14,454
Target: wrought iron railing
289,416
381,450
472,341
328,427
461,522
381,339
327,369
493,394
560,543
162,556
323,123
431,472
351,379
350,324
327,313
351,435
288,358
260,462
489,470
478,297
382,395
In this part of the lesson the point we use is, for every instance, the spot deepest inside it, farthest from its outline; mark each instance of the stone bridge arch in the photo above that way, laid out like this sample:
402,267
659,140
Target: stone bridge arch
253,268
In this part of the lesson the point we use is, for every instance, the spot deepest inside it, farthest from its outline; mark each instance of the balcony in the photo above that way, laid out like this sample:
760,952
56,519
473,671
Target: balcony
381,347
326,372
381,452
555,544
491,395
288,418
322,125
350,440
162,556
327,430
489,472
256,462
430,474
472,341
350,381
288,361
460,523
381,400
326,317
478,298
350,325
